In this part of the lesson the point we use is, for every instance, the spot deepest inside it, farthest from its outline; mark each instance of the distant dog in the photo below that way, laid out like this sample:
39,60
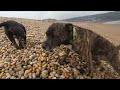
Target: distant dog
89,45
14,30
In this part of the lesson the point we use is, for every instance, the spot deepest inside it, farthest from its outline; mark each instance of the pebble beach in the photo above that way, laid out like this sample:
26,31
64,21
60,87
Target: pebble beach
33,62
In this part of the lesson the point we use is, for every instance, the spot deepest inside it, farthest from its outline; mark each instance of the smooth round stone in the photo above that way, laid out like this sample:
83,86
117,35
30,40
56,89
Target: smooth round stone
35,65
12,77
12,72
34,76
8,76
44,66
78,67
30,75
54,78
86,77
22,77
70,77
26,76
13,63
12,67
32,57
26,59
24,67
1,65
56,57
6,54
33,51
21,73
42,58
44,74
51,64
16,69
81,77
3,77
7,59
52,74
29,66
3,57
6,71
37,73
3,70
62,77
66,70
62,53
44,54
27,71
31,63
67,75
57,75
1,74
76,72
69,68
17,59
0,56
3,48
33,69
37,46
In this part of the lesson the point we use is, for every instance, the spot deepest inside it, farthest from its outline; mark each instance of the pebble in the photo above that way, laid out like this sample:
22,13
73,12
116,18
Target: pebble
76,72
12,77
34,76
1,65
8,76
81,77
27,71
7,59
57,75
62,53
54,78
62,77
44,74
22,77
21,73
32,57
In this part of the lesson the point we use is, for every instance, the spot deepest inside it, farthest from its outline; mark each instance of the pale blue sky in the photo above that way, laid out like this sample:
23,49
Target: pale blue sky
48,14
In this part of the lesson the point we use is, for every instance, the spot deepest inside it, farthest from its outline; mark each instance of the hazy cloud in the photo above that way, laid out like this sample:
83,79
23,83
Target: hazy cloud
48,14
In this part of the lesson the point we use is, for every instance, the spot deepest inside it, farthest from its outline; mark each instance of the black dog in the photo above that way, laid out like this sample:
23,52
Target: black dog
89,45
14,30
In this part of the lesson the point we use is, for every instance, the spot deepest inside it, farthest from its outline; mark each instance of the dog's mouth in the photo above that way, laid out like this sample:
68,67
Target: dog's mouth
49,49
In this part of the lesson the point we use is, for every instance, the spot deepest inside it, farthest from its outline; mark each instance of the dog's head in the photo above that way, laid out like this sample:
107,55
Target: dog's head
57,34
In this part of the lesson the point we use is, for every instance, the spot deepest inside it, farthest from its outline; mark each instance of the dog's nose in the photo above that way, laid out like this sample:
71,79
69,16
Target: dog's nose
43,45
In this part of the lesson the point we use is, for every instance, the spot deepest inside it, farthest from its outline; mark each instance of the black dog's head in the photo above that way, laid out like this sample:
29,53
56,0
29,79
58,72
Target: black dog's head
57,34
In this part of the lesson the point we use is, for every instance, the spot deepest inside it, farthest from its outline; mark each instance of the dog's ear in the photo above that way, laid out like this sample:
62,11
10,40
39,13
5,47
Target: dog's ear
69,26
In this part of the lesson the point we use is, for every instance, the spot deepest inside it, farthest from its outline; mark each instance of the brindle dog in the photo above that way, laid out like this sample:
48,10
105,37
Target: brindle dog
89,45
14,30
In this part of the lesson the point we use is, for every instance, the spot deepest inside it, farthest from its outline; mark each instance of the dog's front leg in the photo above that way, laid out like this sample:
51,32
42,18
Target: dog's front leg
90,64
11,38
85,54
20,43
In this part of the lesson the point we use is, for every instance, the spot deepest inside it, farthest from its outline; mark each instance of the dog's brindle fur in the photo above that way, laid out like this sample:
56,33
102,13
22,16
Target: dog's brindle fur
89,45
14,29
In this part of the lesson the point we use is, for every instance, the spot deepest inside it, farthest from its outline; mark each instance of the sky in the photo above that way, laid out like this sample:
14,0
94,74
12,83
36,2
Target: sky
59,15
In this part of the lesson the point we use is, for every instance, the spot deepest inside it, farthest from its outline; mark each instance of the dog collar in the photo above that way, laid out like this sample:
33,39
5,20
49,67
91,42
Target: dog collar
74,35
